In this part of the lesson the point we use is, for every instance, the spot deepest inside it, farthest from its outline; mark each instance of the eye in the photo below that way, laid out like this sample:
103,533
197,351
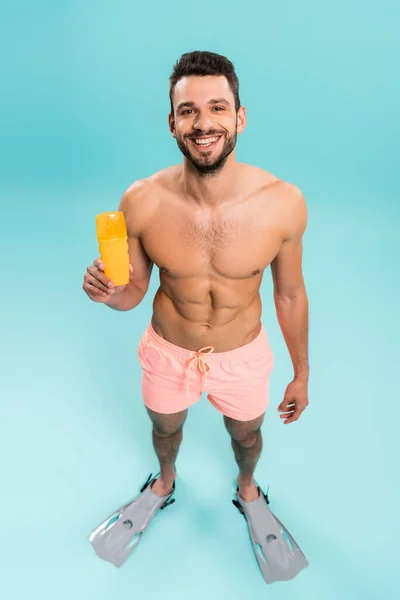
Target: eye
218,108
186,111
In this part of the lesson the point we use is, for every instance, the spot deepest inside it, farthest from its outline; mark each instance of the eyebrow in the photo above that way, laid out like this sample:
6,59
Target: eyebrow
219,101
212,102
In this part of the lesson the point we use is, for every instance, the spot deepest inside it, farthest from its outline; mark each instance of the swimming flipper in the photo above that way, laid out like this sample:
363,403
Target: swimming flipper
278,555
116,538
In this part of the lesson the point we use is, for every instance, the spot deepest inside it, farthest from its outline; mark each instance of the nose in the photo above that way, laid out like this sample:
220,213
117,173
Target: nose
203,121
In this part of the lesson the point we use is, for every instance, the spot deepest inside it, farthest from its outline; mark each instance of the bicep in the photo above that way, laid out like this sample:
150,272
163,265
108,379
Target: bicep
141,263
134,206
286,267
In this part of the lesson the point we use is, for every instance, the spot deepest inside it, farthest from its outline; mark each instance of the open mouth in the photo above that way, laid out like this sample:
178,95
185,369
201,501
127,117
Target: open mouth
205,143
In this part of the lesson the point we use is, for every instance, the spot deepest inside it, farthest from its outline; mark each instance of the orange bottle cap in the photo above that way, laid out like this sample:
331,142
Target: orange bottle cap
110,225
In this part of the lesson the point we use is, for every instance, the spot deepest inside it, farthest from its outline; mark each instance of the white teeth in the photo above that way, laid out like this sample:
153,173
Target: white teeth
206,142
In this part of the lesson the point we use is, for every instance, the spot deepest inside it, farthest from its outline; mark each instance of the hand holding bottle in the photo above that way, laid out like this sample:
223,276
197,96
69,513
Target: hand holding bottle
110,273
97,285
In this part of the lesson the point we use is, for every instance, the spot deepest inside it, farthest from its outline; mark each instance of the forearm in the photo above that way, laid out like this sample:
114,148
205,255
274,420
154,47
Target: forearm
292,313
126,299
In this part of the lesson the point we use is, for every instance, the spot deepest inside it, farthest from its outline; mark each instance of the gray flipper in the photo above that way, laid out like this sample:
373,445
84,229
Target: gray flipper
116,538
278,555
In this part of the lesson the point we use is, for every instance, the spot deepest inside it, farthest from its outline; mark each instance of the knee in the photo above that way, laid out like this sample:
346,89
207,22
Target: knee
249,441
245,434
165,432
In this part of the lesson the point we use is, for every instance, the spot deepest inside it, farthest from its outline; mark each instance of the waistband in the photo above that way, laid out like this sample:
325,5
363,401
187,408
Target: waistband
163,343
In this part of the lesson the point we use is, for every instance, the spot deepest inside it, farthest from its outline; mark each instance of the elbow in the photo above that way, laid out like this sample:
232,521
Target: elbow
290,294
136,292
143,286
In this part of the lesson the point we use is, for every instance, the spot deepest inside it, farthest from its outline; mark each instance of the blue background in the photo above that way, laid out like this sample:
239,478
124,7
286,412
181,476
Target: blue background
84,107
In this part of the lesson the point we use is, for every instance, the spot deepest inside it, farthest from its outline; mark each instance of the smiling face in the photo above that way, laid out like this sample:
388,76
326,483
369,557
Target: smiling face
205,122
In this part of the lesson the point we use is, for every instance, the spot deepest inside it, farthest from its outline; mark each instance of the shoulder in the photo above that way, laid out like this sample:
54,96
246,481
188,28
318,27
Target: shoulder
137,203
259,178
268,180
287,199
140,200
296,209
293,207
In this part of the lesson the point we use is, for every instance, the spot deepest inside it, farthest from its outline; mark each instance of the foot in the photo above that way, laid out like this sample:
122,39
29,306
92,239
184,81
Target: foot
248,490
162,488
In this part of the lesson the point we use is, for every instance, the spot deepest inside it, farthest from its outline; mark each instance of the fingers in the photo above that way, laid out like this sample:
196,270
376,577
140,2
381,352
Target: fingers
96,284
289,412
98,271
98,264
286,404
94,291
98,279
292,419
292,414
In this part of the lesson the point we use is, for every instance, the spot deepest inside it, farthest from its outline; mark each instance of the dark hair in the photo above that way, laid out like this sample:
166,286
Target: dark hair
201,64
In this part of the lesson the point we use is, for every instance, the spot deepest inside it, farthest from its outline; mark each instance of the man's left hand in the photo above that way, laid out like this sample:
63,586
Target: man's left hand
295,400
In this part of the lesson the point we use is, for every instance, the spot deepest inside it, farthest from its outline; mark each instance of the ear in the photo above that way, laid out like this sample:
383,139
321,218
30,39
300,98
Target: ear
171,123
241,120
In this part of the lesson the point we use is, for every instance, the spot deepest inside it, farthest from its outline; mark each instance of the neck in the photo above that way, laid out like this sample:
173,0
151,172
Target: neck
214,189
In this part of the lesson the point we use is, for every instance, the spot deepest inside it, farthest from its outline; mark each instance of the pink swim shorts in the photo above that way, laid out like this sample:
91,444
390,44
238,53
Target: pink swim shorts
236,382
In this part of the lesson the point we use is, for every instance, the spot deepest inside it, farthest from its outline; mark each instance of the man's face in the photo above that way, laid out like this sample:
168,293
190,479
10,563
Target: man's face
205,123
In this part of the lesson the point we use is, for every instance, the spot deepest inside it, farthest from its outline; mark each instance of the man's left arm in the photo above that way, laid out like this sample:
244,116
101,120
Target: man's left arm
291,304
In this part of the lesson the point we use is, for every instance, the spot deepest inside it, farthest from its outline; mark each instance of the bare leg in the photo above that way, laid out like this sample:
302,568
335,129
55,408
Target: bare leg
167,437
247,445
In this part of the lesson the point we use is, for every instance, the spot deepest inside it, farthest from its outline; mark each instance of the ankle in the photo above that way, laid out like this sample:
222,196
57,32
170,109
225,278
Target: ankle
248,490
165,481
167,477
162,487
245,481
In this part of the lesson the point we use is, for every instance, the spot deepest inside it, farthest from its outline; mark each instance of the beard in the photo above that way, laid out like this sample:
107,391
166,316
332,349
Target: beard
205,165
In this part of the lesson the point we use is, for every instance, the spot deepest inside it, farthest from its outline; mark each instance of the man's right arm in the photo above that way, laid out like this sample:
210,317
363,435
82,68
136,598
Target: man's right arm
136,211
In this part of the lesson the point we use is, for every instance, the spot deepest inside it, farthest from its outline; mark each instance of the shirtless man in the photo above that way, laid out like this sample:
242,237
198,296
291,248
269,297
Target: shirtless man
212,226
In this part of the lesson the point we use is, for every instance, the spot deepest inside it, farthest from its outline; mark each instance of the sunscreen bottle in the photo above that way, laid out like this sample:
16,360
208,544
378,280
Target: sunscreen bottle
112,238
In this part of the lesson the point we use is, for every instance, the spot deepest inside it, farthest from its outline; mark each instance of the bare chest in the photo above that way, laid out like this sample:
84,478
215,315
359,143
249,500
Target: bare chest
233,245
